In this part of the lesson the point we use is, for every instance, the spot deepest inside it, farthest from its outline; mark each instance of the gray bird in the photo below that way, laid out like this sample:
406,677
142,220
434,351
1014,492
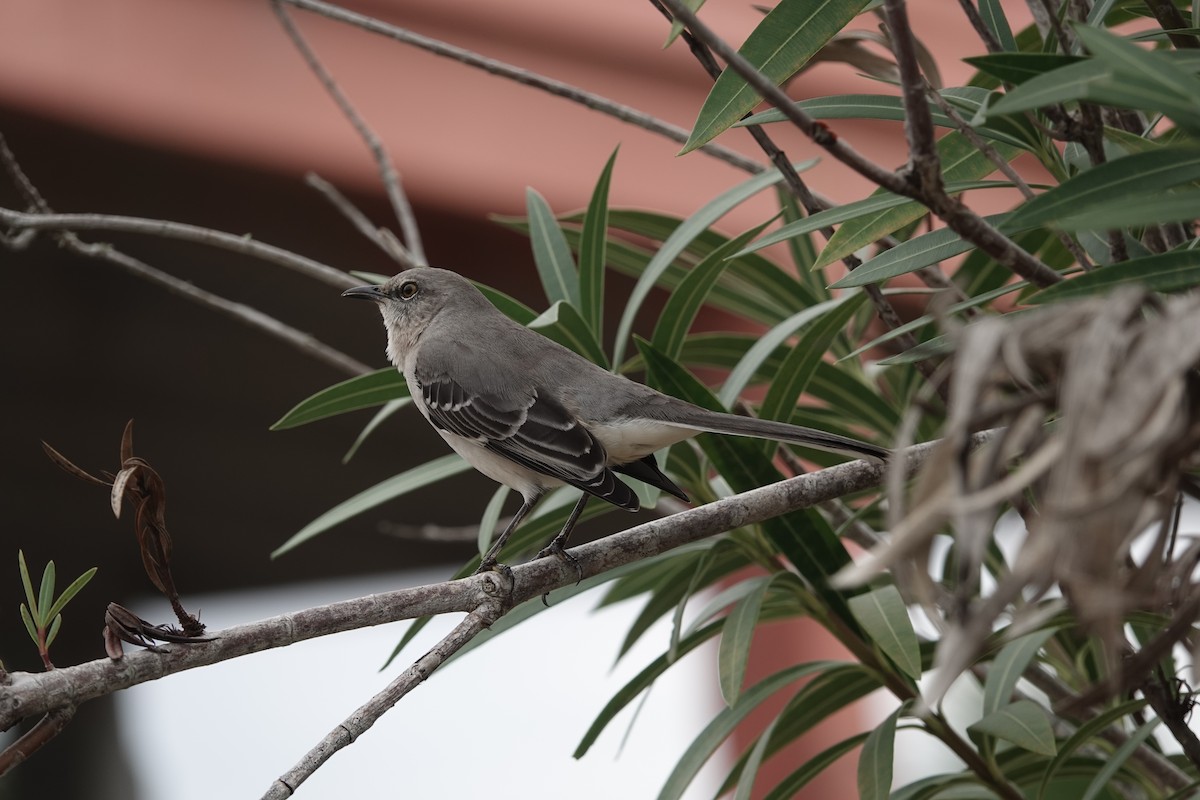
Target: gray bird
531,414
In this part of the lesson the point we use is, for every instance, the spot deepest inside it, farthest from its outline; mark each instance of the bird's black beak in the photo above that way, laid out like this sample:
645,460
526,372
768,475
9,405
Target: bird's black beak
366,293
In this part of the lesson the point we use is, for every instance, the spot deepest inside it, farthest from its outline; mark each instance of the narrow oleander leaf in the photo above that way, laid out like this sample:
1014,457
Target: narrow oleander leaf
1008,666
685,302
491,515
364,391
70,592
30,627
1118,759
55,624
679,240
801,363
875,760
883,615
717,731
395,486
801,777
992,13
736,636
26,582
788,36
563,323
874,204
46,595
677,26
592,246
642,681
389,408
1134,210
551,253
961,161
511,307
1084,734
741,374
912,255
1023,723
1169,272
1141,173
1016,68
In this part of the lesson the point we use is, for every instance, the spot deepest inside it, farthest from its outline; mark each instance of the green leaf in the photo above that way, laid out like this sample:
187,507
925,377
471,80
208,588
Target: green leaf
745,786
640,682
801,363
365,391
993,17
910,256
1173,271
961,161
70,592
491,515
1016,68
592,261
46,595
29,626
389,408
55,624
797,780
803,537
790,34
509,306
677,26
1134,210
1008,666
551,252
563,323
680,238
883,615
859,208
395,486
26,582
1023,723
685,302
740,376
1118,759
1084,734
736,636
1099,186
723,724
875,761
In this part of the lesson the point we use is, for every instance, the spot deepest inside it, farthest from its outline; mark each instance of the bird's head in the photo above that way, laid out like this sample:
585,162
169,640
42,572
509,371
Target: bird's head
411,300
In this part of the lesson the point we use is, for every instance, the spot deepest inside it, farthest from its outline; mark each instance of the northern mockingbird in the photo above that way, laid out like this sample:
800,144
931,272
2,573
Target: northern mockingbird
533,415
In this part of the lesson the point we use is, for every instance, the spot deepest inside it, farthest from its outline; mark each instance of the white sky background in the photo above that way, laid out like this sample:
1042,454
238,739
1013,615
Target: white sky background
500,723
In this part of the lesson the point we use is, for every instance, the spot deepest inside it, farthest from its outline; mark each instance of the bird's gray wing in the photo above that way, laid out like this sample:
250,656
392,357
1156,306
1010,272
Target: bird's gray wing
533,430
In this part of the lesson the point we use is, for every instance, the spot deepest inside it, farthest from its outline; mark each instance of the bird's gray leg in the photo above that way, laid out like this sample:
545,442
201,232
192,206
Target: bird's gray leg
556,546
489,558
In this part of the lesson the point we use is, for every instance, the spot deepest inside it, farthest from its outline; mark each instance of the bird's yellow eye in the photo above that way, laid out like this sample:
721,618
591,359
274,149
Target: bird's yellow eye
407,290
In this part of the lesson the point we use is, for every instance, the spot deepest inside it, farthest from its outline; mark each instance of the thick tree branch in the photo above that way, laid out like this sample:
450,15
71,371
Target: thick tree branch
31,694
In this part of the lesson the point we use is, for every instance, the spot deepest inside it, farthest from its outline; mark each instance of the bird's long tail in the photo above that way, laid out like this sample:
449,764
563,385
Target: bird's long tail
716,422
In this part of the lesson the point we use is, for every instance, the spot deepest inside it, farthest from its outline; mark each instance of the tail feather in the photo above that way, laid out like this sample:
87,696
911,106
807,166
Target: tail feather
716,422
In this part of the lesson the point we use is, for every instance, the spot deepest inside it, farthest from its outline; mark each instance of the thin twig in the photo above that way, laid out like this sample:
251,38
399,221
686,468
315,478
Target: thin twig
957,217
525,77
380,237
181,231
368,714
924,162
37,737
985,33
414,252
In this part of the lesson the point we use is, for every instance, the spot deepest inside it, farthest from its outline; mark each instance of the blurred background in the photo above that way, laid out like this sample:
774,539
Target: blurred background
205,113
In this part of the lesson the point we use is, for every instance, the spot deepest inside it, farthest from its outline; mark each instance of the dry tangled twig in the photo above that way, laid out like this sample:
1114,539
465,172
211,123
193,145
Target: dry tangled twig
1098,402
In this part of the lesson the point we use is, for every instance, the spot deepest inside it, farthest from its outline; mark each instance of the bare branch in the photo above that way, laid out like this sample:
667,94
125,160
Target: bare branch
415,251
380,237
985,33
527,78
31,694
36,737
924,163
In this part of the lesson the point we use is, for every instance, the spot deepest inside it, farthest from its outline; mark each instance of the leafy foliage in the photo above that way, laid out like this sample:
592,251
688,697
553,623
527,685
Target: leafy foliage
1116,221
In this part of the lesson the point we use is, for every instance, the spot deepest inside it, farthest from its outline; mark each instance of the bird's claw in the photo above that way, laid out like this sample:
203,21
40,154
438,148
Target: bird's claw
558,551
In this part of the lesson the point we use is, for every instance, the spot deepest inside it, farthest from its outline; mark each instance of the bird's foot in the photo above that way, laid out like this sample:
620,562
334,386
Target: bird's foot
558,551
